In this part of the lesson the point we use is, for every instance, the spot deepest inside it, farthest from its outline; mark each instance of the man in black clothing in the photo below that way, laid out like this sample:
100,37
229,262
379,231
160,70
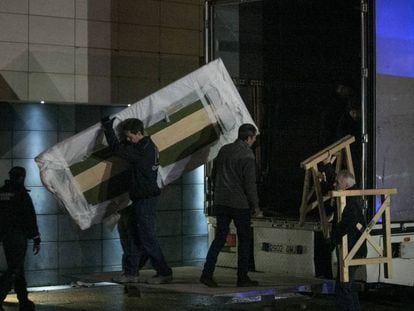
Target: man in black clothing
17,224
143,157
350,124
235,198
351,224
335,105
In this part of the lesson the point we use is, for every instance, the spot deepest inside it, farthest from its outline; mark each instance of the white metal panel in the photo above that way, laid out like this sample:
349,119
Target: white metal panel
282,258
283,244
403,269
407,250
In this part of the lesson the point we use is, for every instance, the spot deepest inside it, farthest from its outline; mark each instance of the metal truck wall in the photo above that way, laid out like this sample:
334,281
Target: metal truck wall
395,104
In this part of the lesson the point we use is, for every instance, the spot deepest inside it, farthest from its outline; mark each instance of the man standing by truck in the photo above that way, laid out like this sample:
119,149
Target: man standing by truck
235,198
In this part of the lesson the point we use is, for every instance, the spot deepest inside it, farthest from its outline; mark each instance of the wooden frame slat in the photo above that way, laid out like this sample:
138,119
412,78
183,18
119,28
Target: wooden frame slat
346,259
311,185
330,150
312,189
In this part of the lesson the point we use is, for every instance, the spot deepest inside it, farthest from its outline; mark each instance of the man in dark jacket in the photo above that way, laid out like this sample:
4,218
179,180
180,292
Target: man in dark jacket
352,222
17,224
235,198
143,156
350,124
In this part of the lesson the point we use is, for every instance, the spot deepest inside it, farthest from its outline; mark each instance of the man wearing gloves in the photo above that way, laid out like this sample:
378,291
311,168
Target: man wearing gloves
17,224
143,157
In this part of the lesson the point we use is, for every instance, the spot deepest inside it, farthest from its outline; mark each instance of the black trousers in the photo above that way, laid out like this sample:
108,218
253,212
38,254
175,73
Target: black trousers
241,218
346,296
322,257
14,245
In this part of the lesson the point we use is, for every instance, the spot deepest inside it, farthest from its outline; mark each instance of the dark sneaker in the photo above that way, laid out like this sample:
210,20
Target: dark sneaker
208,281
160,279
26,306
246,282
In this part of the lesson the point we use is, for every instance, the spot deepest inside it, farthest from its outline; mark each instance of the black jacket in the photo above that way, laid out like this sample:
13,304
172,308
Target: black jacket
17,210
143,158
351,216
234,177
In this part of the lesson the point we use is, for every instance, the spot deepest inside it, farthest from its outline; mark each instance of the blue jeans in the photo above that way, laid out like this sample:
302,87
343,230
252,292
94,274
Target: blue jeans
346,297
241,218
130,257
147,234
134,257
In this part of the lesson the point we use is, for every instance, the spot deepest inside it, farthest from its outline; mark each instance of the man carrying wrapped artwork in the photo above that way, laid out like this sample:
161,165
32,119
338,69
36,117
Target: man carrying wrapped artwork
143,158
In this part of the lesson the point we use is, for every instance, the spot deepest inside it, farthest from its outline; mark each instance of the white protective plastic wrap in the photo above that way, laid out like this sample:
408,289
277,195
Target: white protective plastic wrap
189,120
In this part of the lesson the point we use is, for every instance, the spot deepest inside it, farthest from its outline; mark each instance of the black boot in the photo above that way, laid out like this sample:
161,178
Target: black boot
245,281
208,281
26,305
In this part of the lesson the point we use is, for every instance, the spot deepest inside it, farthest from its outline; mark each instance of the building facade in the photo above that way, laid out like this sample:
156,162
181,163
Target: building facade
86,59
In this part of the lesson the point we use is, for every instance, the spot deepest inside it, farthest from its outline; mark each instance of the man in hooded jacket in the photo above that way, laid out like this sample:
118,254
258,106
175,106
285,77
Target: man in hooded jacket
17,225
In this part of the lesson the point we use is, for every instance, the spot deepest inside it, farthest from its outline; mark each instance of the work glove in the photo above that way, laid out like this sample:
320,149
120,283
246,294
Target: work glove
107,122
36,245
256,212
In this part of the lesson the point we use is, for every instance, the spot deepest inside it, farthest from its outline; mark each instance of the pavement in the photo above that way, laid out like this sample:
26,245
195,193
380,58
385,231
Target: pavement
276,292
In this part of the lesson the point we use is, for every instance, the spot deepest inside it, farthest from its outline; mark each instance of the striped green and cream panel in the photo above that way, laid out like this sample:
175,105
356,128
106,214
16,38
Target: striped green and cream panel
103,176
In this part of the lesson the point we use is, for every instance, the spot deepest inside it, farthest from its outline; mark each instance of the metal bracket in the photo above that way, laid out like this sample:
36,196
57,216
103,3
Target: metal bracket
364,7
365,138
364,72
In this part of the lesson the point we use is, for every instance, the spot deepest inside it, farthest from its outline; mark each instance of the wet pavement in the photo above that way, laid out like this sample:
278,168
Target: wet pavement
186,293
112,297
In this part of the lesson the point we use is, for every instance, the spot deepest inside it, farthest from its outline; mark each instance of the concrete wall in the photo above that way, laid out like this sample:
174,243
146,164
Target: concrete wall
96,51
